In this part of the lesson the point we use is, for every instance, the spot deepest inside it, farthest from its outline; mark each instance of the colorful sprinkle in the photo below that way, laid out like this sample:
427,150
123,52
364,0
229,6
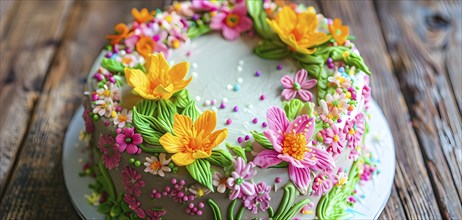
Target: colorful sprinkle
229,121
240,80
278,179
257,73
262,97
236,108
240,140
279,67
241,62
247,137
224,100
207,103
198,98
229,87
223,105
213,102
239,68
236,87
255,120
264,124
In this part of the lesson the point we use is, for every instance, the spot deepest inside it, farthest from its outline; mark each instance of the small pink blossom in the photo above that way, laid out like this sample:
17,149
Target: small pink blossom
300,86
322,183
238,181
366,92
110,151
132,181
109,91
89,126
259,200
155,214
334,138
204,5
219,181
340,80
134,205
104,107
128,140
233,22
354,130
123,117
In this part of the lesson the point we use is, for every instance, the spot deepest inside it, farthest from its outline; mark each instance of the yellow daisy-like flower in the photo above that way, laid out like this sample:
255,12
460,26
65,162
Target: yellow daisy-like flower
193,141
339,32
160,81
298,31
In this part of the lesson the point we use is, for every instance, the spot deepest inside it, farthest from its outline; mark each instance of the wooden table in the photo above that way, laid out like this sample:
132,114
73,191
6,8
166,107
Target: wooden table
413,48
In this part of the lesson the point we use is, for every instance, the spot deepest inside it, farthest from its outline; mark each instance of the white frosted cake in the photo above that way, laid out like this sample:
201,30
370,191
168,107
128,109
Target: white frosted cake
227,110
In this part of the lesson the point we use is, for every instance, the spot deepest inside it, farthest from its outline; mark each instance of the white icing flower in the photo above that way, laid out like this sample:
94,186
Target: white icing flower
219,181
157,166
122,118
93,199
199,190
103,107
340,80
109,90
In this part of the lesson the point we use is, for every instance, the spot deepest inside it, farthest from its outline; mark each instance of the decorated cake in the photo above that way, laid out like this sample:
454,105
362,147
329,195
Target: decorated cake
227,110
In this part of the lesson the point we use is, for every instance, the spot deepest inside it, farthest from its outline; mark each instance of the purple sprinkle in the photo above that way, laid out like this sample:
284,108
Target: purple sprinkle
262,97
223,105
112,79
173,181
108,54
247,137
264,124
339,120
201,205
188,53
236,109
118,130
191,205
255,120
229,121
98,77
329,60
314,142
353,96
94,96
279,67
106,123
156,38
240,140
182,182
195,17
119,108
128,50
258,73
199,212
188,210
278,179
330,65
194,209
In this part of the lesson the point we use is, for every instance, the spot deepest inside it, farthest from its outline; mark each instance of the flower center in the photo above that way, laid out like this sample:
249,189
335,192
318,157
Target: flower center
335,103
200,192
352,131
232,20
336,138
156,165
107,93
294,145
128,140
298,36
126,60
122,118
239,181
297,86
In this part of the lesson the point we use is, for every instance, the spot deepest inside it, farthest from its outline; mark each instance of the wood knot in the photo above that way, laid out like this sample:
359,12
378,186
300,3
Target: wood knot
437,21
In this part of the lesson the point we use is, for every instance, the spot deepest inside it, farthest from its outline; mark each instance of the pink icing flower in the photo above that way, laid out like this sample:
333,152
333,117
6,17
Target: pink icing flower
104,107
335,138
368,170
300,86
155,214
219,181
260,199
233,22
123,117
89,126
237,181
110,151
134,205
292,144
354,130
204,5
132,181
322,183
366,92
128,140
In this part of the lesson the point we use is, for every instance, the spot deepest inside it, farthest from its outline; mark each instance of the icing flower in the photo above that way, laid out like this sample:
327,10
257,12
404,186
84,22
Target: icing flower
341,178
128,140
143,15
193,141
121,31
93,199
321,184
354,130
291,143
103,107
338,31
204,5
260,199
334,138
134,205
339,80
199,190
298,31
110,151
160,81
366,92
145,46
129,60
232,23
123,117
157,166
132,181
300,86
237,181
89,126
219,181
109,90
155,214
334,105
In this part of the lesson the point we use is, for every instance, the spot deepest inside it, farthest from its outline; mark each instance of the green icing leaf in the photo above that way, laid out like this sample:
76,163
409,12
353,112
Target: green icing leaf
262,140
146,107
215,209
221,158
181,99
191,110
272,50
287,209
295,108
200,171
115,211
140,67
104,208
112,65
198,30
238,150
145,126
105,180
165,112
255,10
319,125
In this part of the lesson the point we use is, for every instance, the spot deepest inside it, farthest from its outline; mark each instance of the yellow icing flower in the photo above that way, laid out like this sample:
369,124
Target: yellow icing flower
143,15
298,31
160,81
339,32
193,141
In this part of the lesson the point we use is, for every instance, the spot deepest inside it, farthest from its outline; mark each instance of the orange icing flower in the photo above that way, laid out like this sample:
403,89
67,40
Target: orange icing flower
160,81
193,141
339,32
143,15
298,31
121,31
145,46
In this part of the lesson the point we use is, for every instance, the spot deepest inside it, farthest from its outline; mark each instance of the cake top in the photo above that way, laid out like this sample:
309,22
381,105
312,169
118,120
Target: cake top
317,116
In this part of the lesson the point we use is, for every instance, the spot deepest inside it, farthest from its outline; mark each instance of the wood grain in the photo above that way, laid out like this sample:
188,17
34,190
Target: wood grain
415,33
414,194
27,48
36,188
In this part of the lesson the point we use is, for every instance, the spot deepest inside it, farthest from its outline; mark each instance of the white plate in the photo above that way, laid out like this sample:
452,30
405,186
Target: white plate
372,196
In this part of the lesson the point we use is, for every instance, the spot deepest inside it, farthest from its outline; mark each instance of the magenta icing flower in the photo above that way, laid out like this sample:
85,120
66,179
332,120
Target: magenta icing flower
237,181
128,140
366,92
132,181
354,130
335,138
292,144
300,86
134,205
260,199
322,183
110,151
155,214
204,5
233,22
89,126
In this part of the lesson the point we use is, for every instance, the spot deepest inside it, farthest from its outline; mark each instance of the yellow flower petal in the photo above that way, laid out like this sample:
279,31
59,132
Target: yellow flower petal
217,137
135,77
156,66
182,126
164,92
288,17
179,85
206,122
183,159
171,143
201,154
179,71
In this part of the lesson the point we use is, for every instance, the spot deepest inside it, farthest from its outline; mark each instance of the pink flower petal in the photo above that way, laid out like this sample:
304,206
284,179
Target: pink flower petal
137,139
287,82
240,9
305,95
308,84
122,147
277,120
217,21
302,124
300,177
247,188
132,149
324,160
291,160
267,158
230,33
244,24
288,94
275,139
301,76
128,132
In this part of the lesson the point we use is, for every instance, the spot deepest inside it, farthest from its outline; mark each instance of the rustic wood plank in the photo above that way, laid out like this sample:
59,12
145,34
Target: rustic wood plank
412,183
37,186
417,35
27,47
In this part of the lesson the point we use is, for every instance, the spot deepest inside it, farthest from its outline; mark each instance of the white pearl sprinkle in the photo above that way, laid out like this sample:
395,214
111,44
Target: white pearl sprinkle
198,98
239,68
194,65
207,102
122,52
194,74
225,100
214,109
229,87
241,62
240,80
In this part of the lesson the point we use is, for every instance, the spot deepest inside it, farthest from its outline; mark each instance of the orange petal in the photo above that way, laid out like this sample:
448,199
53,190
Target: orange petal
201,154
217,137
179,85
179,71
286,19
183,159
135,78
206,122
171,143
182,126
156,66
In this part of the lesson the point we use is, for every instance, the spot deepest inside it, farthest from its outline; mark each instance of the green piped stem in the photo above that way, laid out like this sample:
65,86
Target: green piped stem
231,210
240,212
215,209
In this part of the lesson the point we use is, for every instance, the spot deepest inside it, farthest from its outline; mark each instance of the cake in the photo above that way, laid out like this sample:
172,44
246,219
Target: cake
227,110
